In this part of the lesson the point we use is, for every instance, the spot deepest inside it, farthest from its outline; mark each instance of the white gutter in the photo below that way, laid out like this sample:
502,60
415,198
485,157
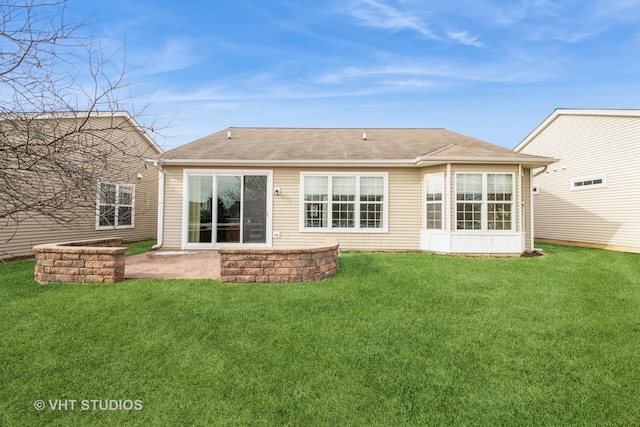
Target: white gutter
270,163
421,161
544,169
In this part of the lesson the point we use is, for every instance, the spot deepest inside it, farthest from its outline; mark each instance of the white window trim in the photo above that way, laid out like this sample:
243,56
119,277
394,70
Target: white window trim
214,174
484,210
584,179
356,229
133,205
442,202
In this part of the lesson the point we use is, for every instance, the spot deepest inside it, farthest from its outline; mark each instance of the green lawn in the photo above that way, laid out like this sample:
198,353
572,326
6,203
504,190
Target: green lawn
393,339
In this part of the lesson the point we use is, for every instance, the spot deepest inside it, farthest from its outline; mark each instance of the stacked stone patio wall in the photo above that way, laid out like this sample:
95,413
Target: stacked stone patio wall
88,261
268,265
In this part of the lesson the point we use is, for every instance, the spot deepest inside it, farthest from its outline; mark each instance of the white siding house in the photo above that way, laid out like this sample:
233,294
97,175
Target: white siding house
591,196
370,189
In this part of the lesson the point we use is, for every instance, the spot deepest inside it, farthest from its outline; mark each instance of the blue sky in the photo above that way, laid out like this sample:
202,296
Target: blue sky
490,69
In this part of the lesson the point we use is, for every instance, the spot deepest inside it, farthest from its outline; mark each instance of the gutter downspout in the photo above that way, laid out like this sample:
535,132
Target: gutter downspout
160,225
544,169
531,176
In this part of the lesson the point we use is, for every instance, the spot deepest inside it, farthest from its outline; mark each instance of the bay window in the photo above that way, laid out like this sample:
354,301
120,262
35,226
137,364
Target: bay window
434,185
499,201
484,201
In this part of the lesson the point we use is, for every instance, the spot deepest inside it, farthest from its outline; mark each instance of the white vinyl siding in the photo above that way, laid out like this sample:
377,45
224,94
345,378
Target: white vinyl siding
405,207
172,205
588,145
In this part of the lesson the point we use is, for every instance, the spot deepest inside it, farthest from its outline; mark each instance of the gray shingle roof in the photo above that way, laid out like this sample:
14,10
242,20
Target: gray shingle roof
273,145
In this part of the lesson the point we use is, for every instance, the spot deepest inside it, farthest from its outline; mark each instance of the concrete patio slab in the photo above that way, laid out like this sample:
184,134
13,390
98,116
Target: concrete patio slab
173,265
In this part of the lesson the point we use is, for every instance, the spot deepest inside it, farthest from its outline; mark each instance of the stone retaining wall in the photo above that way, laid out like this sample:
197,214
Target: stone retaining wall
278,265
88,261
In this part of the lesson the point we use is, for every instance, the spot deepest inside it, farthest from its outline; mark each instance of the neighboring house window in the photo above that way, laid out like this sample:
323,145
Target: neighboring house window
345,202
434,185
115,205
585,183
484,201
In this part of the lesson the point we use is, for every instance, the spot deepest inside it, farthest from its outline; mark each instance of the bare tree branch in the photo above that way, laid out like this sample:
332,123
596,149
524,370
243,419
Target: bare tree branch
60,126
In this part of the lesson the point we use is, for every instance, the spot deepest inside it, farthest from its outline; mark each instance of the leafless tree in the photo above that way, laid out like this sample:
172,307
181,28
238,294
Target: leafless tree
58,134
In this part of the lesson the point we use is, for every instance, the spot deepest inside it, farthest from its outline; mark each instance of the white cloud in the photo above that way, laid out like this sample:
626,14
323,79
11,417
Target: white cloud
567,21
377,14
176,54
463,37
507,71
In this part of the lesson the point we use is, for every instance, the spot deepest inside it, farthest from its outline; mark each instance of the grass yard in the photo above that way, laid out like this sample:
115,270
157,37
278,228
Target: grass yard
393,339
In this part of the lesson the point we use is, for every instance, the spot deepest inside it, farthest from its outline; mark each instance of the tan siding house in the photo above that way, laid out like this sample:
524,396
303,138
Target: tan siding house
371,189
590,197
17,238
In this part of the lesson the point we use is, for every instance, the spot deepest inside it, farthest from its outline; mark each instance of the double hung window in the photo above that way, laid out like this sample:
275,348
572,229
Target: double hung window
484,201
344,202
434,185
115,205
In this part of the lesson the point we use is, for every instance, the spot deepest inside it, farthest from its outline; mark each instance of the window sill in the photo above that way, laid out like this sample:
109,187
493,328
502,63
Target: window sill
118,227
345,230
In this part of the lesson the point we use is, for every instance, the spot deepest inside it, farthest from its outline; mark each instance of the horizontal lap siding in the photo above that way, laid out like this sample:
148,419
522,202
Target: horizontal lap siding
404,213
173,189
589,145
38,230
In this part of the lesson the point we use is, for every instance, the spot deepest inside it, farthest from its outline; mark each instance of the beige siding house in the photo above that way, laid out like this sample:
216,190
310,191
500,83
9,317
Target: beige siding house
123,177
371,189
590,197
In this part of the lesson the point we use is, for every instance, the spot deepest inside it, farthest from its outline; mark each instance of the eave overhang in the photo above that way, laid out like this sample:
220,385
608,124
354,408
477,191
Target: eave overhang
418,162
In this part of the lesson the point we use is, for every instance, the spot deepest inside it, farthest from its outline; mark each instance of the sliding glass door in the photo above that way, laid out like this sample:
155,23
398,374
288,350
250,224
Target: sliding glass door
226,208
229,209
254,212
200,213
